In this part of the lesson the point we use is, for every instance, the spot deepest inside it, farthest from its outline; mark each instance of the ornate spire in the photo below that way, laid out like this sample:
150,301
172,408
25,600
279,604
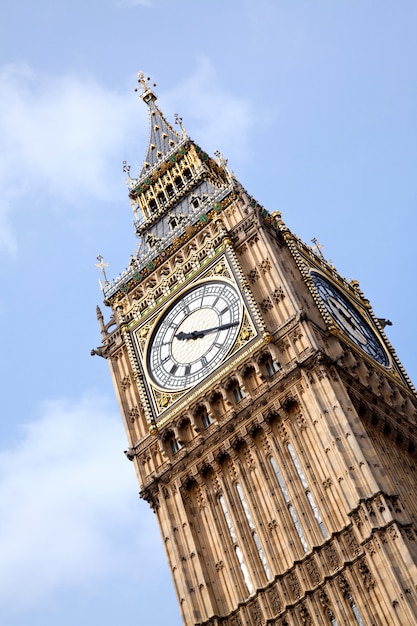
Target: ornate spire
163,138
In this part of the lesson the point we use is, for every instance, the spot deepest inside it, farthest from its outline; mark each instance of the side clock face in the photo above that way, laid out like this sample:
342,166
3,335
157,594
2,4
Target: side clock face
194,335
349,319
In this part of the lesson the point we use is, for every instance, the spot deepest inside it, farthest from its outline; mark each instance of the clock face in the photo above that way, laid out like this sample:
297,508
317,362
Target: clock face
194,335
349,319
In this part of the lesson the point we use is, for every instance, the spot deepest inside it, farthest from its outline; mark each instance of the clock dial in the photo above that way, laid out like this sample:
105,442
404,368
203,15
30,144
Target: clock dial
349,319
194,335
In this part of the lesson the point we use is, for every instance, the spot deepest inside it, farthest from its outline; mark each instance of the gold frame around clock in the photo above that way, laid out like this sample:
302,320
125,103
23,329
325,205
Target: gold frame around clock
161,404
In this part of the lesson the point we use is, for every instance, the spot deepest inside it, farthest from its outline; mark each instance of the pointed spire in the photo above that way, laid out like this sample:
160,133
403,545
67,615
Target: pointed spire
163,138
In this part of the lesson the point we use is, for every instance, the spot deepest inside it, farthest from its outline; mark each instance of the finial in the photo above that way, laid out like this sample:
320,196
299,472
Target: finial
101,265
147,90
222,160
178,120
126,170
317,248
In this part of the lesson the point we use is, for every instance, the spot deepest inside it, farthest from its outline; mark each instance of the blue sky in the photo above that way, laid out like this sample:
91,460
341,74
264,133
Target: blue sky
313,103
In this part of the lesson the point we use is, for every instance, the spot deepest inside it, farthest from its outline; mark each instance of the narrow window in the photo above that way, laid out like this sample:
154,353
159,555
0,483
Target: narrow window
271,367
253,531
310,498
289,505
355,611
175,445
206,420
179,183
173,221
236,548
238,393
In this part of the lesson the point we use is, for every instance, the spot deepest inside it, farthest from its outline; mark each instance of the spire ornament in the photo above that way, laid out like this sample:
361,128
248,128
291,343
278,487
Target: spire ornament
178,120
147,93
101,265
317,248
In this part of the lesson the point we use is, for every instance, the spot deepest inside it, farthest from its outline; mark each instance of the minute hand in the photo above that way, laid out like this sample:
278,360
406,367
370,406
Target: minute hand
198,334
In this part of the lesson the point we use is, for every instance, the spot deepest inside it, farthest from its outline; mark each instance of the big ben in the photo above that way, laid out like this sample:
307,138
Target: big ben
270,423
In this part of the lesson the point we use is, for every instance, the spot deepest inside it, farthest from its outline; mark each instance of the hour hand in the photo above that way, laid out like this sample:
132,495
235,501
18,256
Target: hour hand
195,334
199,334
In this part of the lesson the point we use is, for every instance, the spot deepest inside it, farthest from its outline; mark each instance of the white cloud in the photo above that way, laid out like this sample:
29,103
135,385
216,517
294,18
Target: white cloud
222,118
66,503
59,136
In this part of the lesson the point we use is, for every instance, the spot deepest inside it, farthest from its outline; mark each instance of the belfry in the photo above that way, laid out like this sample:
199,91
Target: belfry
272,428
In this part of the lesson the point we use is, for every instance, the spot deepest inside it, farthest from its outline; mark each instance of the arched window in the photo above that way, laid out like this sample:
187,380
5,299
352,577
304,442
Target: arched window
236,547
271,367
206,419
289,504
161,197
310,498
178,182
236,391
355,611
253,531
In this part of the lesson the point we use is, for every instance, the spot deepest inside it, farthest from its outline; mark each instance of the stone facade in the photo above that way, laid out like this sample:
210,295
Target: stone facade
284,482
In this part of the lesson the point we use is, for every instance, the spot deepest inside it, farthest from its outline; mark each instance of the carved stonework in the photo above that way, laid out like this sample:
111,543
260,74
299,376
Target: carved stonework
332,558
266,305
256,613
301,421
133,414
125,383
294,586
283,432
305,616
371,546
265,266
368,579
250,461
277,295
275,601
409,533
354,547
253,276
313,572
343,584
324,599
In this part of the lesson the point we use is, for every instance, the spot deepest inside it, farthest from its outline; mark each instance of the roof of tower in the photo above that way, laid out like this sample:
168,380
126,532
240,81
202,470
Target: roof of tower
163,139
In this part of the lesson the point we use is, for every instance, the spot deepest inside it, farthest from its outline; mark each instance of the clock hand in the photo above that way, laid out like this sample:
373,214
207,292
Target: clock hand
199,334
347,318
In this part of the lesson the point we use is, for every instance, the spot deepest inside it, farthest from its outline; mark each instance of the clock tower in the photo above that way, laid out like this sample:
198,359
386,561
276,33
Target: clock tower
271,426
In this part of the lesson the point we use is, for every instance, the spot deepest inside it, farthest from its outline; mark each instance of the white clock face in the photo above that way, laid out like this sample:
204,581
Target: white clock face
194,335
349,319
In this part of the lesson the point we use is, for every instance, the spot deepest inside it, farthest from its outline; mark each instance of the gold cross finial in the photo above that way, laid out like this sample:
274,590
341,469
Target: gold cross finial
101,265
178,120
317,248
143,81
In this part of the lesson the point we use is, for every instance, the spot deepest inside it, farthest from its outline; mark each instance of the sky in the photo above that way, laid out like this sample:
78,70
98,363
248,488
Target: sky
314,106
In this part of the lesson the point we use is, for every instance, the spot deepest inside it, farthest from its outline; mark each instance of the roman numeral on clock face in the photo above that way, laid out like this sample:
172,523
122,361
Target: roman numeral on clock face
194,335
